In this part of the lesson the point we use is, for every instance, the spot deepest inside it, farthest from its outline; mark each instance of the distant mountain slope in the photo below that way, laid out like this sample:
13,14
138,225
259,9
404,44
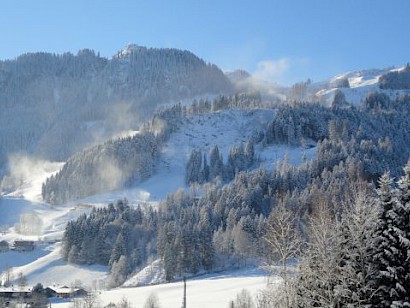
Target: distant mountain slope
356,85
113,164
54,105
121,162
397,79
238,75
155,160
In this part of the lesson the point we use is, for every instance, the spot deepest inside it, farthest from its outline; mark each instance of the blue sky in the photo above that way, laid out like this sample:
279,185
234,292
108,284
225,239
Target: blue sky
283,41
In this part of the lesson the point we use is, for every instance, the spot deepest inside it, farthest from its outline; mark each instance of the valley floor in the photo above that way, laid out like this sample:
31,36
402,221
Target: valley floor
213,290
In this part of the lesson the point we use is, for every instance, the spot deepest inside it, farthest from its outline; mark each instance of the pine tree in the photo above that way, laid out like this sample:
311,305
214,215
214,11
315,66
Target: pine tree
193,173
73,254
207,250
170,261
119,272
250,153
391,246
118,249
39,297
404,199
206,170
215,163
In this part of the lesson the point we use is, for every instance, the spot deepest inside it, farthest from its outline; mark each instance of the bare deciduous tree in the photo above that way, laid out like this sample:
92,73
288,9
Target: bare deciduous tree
284,241
243,300
91,300
319,266
152,301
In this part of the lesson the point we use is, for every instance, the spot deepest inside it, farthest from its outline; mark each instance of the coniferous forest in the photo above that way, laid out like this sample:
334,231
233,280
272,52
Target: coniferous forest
54,105
192,154
335,228
345,211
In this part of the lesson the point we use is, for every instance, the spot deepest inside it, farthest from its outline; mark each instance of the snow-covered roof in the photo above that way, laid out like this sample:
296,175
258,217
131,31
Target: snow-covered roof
64,289
14,289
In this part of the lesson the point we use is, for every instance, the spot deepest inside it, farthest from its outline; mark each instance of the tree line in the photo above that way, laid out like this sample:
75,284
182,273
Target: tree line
240,158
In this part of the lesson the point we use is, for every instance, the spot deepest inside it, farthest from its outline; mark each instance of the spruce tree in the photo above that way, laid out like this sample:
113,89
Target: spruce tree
250,153
216,163
404,199
118,249
391,246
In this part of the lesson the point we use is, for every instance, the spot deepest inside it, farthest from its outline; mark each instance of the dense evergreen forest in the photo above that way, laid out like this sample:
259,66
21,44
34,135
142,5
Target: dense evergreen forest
367,135
347,219
54,105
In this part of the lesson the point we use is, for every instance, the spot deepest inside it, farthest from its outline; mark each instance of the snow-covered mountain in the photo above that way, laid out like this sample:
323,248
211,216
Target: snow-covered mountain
356,85
148,167
238,75
55,105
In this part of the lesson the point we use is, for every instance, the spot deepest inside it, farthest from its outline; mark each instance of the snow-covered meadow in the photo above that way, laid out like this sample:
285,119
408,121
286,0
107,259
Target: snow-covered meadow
213,290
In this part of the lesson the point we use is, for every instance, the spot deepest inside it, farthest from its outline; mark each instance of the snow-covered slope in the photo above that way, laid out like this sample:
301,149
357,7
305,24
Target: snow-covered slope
203,131
56,105
45,264
152,274
361,83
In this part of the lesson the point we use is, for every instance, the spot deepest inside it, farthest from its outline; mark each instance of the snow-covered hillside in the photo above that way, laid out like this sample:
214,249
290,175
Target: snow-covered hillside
203,131
361,83
57,105
45,264
26,217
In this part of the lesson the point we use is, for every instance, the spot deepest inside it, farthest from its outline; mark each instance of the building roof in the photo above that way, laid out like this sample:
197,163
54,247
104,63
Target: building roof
15,289
64,289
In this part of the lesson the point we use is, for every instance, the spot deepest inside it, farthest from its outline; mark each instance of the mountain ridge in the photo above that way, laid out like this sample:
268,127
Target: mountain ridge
56,105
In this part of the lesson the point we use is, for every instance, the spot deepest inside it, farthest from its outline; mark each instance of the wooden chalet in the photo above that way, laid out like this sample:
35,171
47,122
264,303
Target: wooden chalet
15,292
66,292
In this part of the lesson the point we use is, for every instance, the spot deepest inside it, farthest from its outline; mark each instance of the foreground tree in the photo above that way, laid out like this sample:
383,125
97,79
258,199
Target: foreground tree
404,200
124,303
91,300
152,301
357,271
392,245
243,300
39,296
283,241
119,271
318,267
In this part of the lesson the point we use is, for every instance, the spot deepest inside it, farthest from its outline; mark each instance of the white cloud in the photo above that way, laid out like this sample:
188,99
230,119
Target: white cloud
272,70
284,71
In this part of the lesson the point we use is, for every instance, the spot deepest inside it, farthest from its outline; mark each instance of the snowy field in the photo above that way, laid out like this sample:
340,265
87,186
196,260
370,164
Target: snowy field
214,290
